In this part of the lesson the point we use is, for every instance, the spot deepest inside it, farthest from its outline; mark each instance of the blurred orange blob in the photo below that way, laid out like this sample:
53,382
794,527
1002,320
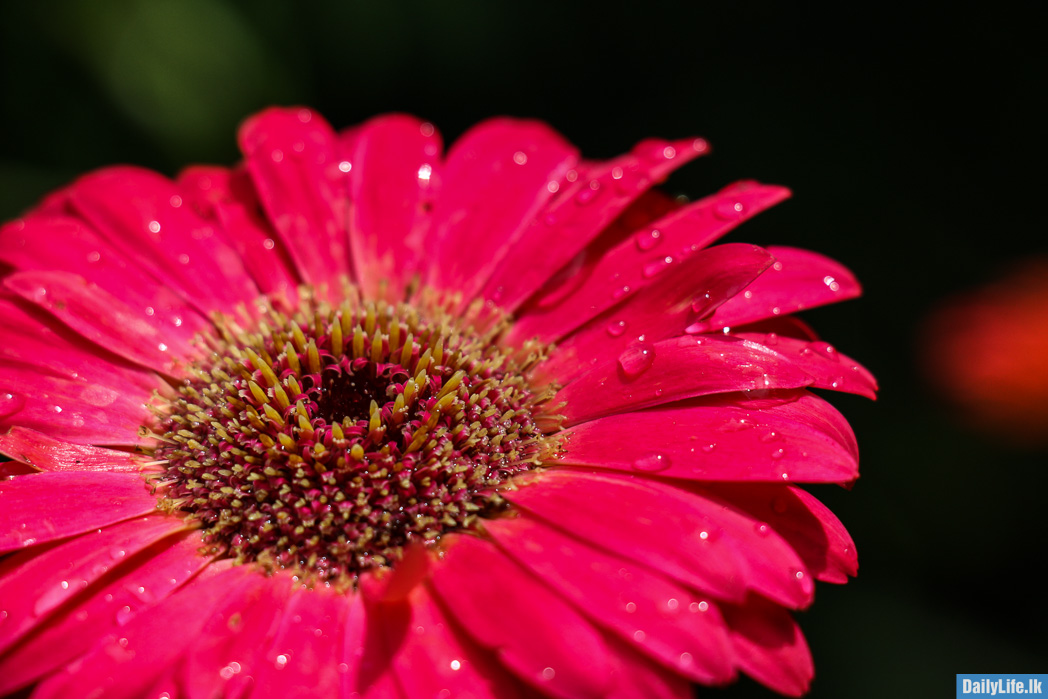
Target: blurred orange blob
988,352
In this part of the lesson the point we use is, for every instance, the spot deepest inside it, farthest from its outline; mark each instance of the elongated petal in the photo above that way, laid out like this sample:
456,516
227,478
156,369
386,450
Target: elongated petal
711,443
635,263
682,294
60,574
582,210
293,158
394,183
683,367
141,213
691,538
495,181
769,646
636,677
557,651
811,529
124,664
52,243
144,581
49,454
103,319
228,197
821,360
371,637
302,660
434,659
799,279
657,617
42,507
74,409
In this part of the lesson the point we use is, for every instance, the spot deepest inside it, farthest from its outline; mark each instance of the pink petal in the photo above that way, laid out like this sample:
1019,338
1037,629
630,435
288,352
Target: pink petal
811,529
711,443
302,660
72,631
799,279
34,339
75,409
494,182
433,659
133,658
103,319
48,243
49,454
293,157
682,367
769,647
822,362
636,677
692,538
394,182
634,263
535,634
580,212
656,616
674,301
141,214
367,656
227,196
57,576
43,507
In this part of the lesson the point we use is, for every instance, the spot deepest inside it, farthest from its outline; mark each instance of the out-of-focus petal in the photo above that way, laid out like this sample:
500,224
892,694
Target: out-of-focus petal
769,646
557,651
821,360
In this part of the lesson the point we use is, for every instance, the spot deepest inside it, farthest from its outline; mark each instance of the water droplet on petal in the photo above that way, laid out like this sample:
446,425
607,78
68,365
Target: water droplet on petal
124,615
631,607
704,535
154,226
685,659
646,240
639,636
10,403
653,463
762,528
777,454
657,267
771,436
281,661
520,157
637,359
616,329
549,673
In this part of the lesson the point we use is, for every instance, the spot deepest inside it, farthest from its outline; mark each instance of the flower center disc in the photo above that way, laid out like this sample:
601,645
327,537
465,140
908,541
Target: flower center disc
327,439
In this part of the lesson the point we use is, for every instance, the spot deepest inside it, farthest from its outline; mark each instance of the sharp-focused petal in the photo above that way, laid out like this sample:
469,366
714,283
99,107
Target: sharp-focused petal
798,279
769,646
811,529
294,160
141,214
42,507
395,180
655,616
49,454
584,207
557,651
718,442
144,581
74,409
821,360
651,374
684,293
103,319
690,537
634,263
495,181
58,575
129,661
228,197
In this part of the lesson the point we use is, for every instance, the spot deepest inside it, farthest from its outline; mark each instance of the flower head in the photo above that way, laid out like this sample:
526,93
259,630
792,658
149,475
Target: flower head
359,418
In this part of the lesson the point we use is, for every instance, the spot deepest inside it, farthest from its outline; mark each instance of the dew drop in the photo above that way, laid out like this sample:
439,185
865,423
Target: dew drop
777,454
832,283
639,636
771,436
549,673
685,659
637,359
552,186
455,664
653,463
425,173
520,157
620,292
704,535
672,604
616,329
616,173
728,211
345,166
94,256
654,268
10,403
762,528
669,152
585,196
708,448
646,240
281,662
154,226
631,607
777,266
426,129
124,615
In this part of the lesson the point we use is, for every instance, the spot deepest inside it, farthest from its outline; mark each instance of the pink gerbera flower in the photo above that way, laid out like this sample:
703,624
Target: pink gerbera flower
357,418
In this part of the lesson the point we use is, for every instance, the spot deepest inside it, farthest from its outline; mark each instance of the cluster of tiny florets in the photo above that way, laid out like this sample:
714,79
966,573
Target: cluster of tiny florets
327,439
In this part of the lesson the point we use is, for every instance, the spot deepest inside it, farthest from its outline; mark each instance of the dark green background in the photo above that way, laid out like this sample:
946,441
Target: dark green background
913,139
